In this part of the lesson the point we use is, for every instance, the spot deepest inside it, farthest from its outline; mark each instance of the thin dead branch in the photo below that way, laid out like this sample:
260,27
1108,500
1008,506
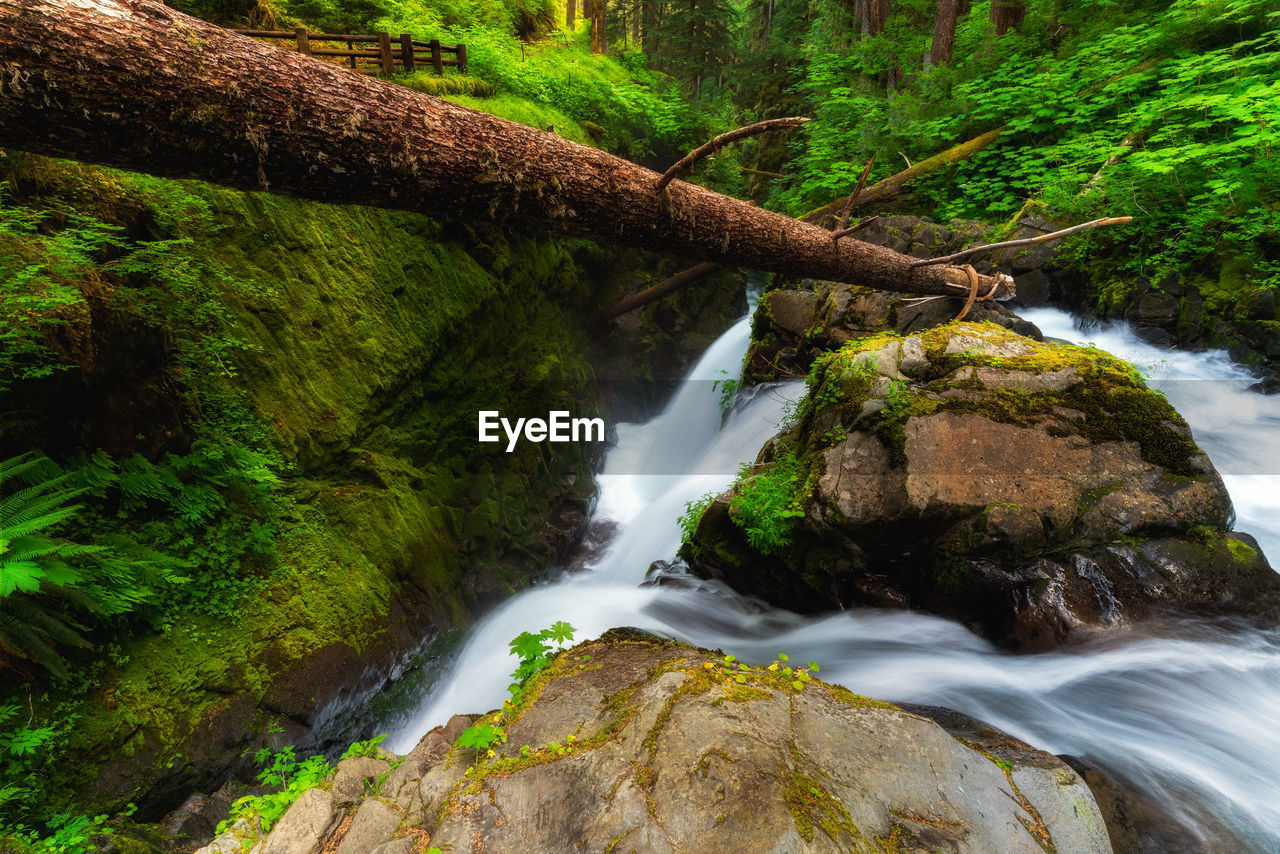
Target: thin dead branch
1026,241
685,163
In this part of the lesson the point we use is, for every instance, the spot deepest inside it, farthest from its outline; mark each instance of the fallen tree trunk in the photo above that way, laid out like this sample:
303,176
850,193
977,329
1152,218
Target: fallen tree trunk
891,186
137,85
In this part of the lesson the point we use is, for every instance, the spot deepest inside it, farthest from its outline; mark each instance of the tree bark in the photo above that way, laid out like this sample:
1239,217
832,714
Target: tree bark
1007,15
877,16
137,85
944,32
570,14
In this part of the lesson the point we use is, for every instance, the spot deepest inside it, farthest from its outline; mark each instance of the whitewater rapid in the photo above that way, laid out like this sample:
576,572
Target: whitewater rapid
1182,712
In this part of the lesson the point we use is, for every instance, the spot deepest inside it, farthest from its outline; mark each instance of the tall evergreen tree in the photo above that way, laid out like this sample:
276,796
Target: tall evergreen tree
944,32
694,41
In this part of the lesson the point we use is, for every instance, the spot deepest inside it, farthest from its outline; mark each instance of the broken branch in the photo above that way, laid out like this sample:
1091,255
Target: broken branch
686,162
836,235
1026,241
891,186
853,197
658,291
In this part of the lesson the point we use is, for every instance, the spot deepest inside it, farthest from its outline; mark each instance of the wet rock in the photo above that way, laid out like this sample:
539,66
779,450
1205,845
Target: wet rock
1135,825
1033,491
454,727
195,822
795,325
1262,305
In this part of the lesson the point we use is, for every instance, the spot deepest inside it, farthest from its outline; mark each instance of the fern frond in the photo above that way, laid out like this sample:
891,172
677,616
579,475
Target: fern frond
22,524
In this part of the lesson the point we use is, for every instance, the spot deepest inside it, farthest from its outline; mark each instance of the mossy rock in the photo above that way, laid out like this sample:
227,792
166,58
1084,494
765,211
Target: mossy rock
795,325
980,474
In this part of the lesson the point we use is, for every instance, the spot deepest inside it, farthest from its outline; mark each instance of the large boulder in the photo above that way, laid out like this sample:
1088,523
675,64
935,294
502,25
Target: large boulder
1029,489
636,744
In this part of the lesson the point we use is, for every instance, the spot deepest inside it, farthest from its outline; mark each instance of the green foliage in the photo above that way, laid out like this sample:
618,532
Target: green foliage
337,16
766,500
1167,112
480,736
24,755
728,389
693,42
52,590
289,776
369,749
535,652
53,261
641,114
215,506
693,511
449,85
43,274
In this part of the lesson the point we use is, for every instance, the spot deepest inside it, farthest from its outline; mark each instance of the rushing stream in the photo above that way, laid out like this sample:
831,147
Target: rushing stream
1182,712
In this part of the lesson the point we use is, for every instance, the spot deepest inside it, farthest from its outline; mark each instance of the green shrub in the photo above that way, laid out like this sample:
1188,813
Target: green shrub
766,501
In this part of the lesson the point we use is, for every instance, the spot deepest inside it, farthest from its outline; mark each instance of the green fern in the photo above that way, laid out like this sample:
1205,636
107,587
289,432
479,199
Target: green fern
52,591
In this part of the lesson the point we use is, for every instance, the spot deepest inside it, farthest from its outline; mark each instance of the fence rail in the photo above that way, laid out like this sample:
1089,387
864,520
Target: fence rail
404,51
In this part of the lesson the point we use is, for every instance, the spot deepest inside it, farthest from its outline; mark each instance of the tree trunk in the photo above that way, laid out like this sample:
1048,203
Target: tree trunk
137,85
944,32
599,44
570,14
877,16
648,24
1007,15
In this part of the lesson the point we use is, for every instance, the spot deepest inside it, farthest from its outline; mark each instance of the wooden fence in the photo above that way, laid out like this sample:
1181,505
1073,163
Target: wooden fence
404,53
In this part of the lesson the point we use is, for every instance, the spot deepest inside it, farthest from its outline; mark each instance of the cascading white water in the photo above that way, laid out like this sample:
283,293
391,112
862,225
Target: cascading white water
1179,711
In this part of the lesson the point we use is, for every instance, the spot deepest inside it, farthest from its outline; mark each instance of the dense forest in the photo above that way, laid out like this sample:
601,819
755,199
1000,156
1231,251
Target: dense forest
237,451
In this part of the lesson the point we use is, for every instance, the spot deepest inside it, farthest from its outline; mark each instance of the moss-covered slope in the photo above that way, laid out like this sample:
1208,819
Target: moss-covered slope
344,351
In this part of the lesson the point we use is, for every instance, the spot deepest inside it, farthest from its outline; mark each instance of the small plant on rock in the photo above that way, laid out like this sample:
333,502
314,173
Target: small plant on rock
535,651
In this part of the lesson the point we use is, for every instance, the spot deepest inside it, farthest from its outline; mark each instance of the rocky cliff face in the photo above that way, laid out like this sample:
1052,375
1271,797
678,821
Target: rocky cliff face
1031,490
630,744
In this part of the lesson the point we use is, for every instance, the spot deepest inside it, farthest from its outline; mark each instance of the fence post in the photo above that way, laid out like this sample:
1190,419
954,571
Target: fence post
462,59
351,46
304,41
435,56
406,51
384,47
